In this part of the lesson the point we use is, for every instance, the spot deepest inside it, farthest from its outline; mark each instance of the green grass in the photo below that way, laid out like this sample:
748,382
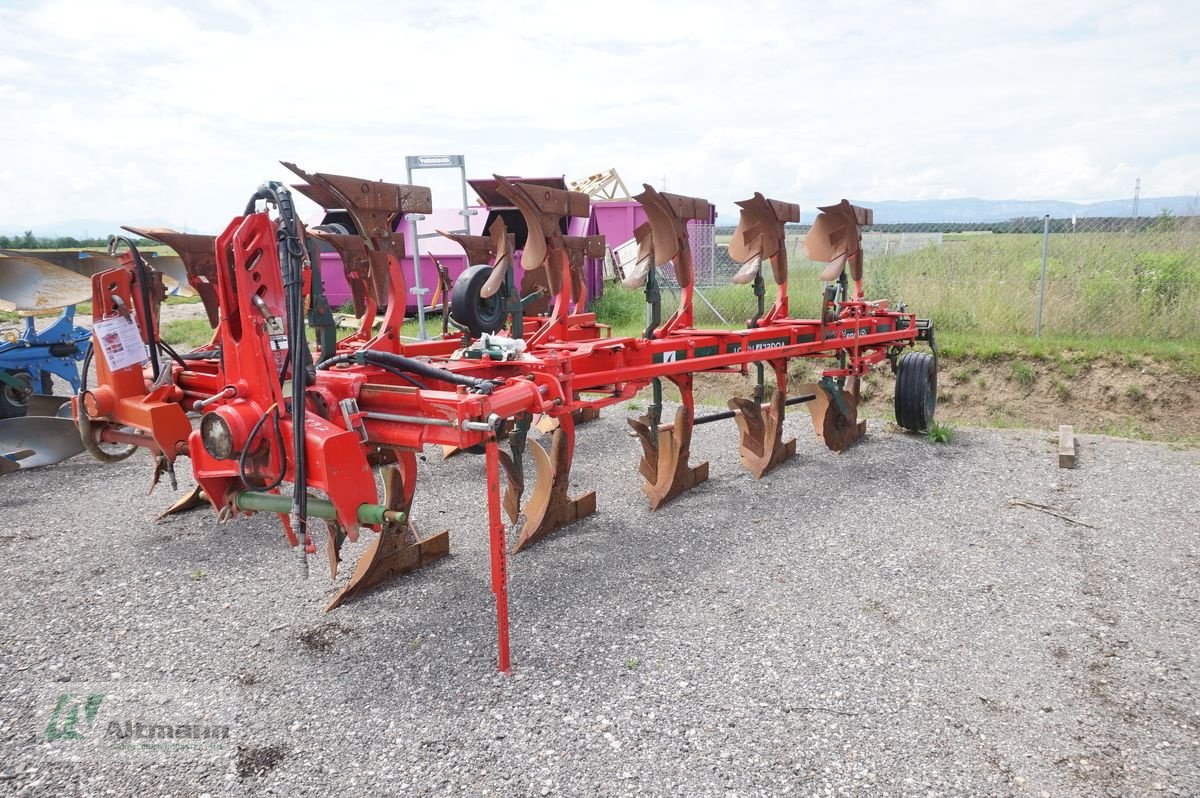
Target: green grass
187,333
1023,373
939,433
1078,350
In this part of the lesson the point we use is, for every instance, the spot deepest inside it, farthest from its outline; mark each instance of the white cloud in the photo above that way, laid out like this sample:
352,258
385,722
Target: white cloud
149,109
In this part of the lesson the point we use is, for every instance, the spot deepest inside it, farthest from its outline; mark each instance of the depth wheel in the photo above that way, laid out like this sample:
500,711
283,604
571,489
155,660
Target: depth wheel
14,402
470,308
916,391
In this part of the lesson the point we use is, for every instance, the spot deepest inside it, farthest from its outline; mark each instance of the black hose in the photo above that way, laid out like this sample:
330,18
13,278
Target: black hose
291,260
143,277
401,363
274,414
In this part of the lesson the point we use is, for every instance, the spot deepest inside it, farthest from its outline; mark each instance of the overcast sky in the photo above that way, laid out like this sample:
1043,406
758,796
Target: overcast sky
154,110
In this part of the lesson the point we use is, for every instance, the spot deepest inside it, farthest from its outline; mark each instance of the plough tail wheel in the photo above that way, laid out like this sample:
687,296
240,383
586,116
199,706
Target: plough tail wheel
916,391
470,308
397,549
838,428
14,399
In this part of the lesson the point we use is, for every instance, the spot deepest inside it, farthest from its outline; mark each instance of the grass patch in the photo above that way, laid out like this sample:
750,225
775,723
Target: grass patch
1023,373
188,333
1184,354
939,433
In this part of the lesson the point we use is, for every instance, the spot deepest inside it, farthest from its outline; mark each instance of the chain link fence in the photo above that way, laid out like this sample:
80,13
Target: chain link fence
1111,277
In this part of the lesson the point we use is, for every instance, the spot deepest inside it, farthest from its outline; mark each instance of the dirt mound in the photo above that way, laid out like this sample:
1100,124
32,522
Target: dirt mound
1122,396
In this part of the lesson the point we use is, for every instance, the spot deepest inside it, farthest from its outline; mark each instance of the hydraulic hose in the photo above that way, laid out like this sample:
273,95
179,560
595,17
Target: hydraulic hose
143,278
408,364
291,259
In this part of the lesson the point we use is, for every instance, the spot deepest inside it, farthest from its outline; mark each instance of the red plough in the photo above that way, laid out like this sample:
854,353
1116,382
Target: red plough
301,433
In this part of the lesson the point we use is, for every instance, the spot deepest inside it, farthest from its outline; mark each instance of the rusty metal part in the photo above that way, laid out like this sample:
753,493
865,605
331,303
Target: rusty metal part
549,506
837,429
761,224
172,267
198,253
835,239
580,415
578,248
635,276
397,549
366,270
32,285
762,445
668,215
664,463
375,206
543,208
496,249
515,486
189,501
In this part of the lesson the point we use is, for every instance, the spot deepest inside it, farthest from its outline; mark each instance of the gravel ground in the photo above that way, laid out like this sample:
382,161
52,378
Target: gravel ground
883,622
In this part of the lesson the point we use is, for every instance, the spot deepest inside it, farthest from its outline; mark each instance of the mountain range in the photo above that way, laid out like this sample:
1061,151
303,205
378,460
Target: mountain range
967,209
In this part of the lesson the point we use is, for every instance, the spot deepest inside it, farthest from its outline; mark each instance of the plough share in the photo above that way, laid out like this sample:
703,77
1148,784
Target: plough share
275,423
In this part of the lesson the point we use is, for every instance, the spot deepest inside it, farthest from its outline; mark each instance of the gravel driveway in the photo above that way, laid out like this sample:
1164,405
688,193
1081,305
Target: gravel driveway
883,622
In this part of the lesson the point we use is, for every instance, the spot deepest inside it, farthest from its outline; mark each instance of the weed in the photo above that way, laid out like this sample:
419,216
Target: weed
939,433
1135,393
1023,373
633,664
965,373
197,574
634,404
1062,390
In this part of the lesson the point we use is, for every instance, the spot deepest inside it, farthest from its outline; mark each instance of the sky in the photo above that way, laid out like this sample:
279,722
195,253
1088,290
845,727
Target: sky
159,111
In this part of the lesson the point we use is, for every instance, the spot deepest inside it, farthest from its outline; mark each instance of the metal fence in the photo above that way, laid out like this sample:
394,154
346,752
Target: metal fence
1100,277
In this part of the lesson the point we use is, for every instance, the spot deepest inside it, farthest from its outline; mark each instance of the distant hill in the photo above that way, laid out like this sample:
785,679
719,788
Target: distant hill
970,209
81,228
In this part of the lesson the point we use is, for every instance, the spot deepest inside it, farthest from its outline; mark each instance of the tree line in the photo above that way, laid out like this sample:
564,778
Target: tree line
28,240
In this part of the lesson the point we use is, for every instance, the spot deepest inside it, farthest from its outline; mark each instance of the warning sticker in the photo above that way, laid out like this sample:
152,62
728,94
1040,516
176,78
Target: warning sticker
120,343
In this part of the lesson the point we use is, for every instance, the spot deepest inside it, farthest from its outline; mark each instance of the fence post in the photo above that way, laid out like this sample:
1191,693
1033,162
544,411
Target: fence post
1042,283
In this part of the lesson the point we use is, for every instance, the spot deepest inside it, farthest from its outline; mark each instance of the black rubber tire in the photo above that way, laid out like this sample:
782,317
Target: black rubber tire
469,309
916,391
13,405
